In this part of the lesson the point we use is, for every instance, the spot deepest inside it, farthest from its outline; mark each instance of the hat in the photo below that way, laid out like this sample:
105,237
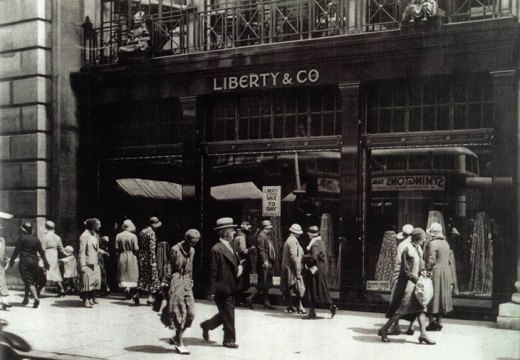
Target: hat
192,233
69,250
418,234
26,228
435,229
50,225
406,231
128,225
266,224
246,225
313,230
154,222
296,229
224,223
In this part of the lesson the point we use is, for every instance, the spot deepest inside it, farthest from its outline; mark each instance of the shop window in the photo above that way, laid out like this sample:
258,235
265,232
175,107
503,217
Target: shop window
429,104
276,114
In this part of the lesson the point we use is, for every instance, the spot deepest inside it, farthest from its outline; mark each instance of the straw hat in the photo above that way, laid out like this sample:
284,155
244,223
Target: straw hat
49,225
266,224
154,222
224,223
26,228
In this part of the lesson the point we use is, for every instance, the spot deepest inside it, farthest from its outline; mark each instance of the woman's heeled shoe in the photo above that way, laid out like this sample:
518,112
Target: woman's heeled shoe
426,340
25,301
384,335
410,331
333,309
36,303
290,309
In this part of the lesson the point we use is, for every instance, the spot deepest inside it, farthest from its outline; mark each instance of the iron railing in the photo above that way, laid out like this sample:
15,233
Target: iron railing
189,30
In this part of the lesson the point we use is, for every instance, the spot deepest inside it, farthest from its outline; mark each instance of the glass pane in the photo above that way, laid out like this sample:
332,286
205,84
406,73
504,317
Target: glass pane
302,101
254,128
459,91
230,130
459,117
372,122
220,130
337,122
290,126
278,126
243,127
386,95
399,95
279,102
414,120
444,162
244,108
398,125
419,162
396,163
316,102
328,124
443,92
265,128
265,102
474,89
474,116
415,93
428,118
316,125
290,102
328,100
302,126
443,118
430,88
386,121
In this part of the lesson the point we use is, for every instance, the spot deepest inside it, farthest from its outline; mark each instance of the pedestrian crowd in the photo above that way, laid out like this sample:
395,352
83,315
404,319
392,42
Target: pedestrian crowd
164,275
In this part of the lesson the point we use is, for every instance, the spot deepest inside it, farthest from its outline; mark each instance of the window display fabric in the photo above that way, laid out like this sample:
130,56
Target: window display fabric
481,258
386,261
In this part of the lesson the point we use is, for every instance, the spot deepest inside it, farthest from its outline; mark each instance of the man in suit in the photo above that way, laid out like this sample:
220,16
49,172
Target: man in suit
225,269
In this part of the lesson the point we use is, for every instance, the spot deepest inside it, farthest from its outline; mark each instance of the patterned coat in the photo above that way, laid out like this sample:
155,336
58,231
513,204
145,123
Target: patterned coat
148,274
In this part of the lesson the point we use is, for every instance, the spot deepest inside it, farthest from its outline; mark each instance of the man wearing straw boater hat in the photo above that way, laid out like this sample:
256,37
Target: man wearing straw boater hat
225,269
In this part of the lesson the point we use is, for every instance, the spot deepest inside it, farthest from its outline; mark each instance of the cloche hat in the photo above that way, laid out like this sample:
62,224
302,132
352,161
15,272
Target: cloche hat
296,229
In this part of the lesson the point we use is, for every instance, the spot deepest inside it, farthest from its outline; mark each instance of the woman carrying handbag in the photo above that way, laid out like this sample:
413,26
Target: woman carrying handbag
411,267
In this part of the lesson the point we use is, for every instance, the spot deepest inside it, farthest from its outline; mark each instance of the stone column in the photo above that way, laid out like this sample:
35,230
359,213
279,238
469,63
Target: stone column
506,164
351,195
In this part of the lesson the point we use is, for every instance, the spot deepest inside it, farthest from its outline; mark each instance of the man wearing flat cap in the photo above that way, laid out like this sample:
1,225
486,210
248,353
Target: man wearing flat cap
225,269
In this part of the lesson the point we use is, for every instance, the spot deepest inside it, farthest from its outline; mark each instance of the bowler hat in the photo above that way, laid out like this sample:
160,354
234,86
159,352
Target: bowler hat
154,222
296,229
26,228
224,223
266,224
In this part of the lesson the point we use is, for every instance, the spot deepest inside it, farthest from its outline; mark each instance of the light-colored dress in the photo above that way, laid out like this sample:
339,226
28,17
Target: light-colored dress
52,245
89,262
411,265
291,266
127,268
438,261
70,267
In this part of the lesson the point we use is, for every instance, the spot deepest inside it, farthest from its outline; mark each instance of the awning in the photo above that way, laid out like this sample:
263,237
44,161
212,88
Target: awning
152,189
236,191
292,195
4,215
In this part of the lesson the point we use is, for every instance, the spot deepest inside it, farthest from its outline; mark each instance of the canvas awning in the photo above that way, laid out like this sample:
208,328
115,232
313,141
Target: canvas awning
292,195
152,189
236,191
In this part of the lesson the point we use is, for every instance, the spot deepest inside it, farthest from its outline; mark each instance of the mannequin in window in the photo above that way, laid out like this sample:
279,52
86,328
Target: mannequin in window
138,37
420,10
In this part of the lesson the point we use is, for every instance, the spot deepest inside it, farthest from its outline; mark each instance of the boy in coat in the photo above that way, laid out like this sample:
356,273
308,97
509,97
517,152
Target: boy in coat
225,269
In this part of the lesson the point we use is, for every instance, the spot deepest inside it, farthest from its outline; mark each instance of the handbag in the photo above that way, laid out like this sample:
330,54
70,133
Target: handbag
424,290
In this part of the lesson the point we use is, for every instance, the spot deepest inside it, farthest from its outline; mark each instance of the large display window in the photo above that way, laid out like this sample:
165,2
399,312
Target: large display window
308,193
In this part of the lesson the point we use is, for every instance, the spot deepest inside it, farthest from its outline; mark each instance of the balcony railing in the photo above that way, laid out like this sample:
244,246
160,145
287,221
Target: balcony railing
189,30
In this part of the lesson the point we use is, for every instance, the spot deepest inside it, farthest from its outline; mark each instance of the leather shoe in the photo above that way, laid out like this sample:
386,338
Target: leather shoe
205,333
36,303
395,331
230,345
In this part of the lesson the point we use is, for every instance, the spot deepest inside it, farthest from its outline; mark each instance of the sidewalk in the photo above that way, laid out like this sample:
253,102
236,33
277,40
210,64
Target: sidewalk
117,329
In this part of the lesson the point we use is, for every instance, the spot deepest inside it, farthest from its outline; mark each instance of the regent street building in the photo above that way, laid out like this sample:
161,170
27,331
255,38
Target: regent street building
358,116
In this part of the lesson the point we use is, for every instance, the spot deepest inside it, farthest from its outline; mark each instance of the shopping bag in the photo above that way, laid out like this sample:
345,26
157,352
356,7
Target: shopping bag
424,290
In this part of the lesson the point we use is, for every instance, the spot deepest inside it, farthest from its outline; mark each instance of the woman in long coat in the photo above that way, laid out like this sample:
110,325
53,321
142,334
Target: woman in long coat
4,293
180,311
53,247
89,262
315,274
291,279
127,268
148,274
437,259
28,247
411,267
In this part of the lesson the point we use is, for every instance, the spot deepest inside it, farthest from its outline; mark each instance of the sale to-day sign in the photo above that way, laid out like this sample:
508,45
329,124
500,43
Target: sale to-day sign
271,200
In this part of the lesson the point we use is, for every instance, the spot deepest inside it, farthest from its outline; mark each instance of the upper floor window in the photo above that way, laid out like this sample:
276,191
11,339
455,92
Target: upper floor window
429,104
274,115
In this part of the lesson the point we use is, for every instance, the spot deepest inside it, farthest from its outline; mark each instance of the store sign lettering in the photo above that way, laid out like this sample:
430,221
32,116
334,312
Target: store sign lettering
271,200
409,183
378,285
268,79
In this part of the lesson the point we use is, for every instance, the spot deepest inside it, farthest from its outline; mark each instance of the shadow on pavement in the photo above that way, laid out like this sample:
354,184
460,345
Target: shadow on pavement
68,303
127,303
376,339
192,341
364,331
151,349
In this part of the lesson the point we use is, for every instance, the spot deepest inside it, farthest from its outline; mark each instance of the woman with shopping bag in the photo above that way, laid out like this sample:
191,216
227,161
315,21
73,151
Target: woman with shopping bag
411,304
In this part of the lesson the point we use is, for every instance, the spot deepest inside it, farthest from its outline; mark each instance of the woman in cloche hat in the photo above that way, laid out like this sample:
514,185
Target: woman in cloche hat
291,279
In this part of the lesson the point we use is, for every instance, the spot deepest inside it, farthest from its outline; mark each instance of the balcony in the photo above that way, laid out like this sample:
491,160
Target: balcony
188,30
